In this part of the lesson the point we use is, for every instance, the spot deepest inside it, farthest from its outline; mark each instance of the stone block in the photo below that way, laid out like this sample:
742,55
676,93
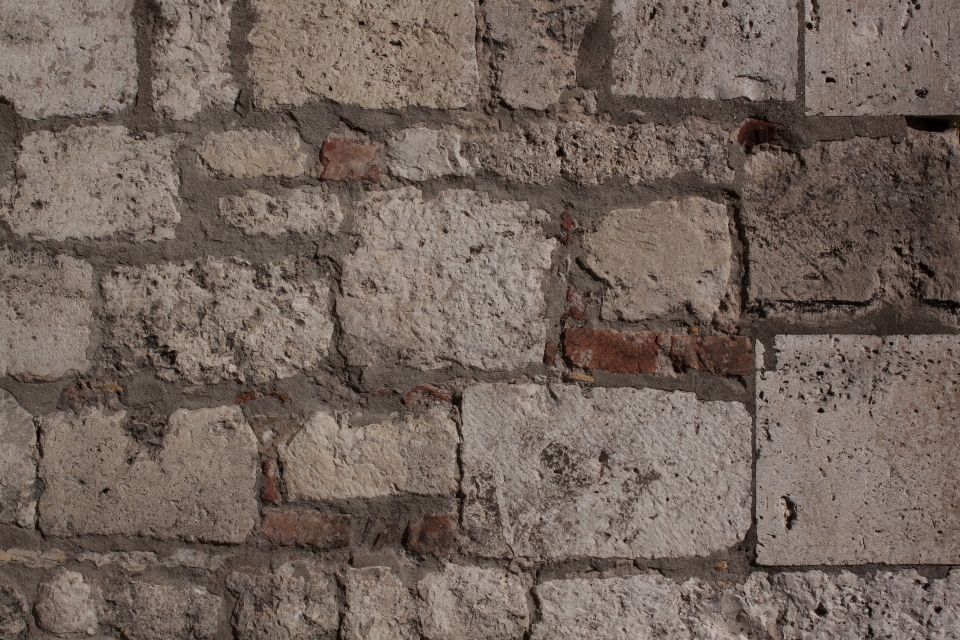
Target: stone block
528,154
370,53
250,153
67,605
18,463
457,279
421,154
705,49
377,606
612,350
13,613
306,211
857,450
719,355
99,481
564,472
156,611
306,528
287,604
67,57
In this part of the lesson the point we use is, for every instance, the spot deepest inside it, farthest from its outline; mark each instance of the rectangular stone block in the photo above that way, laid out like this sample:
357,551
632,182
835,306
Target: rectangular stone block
287,604
18,463
564,472
900,57
251,153
420,154
857,442
306,211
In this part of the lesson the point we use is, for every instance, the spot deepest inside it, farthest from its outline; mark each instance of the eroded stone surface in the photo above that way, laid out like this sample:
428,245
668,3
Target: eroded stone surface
99,481
857,450
66,605
67,57
13,613
219,319
451,280
566,472
329,460
370,53
156,611
44,314
705,49
378,606
18,463
882,58
250,153
420,154
287,604
529,154
306,211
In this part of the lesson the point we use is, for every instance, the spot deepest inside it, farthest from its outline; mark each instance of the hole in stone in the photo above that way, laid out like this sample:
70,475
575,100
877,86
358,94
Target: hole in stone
933,125
820,610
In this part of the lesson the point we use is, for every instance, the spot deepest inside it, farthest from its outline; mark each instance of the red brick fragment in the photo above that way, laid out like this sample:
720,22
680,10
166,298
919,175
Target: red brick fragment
282,397
431,535
719,355
612,351
426,392
246,397
271,476
550,351
345,159
306,528
577,308
568,225
755,131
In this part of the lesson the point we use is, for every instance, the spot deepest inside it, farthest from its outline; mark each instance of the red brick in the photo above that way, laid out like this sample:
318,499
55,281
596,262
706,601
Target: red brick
550,351
271,476
345,159
576,306
426,392
754,132
306,528
719,355
612,351
431,535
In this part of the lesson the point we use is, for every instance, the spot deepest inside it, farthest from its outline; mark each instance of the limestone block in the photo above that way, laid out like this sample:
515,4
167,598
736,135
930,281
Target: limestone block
66,604
288,604
67,57
98,481
882,58
857,450
44,314
307,211
568,472
456,279
378,606
705,49
371,53
18,463
330,460
421,154
216,319
529,154
156,611
249,153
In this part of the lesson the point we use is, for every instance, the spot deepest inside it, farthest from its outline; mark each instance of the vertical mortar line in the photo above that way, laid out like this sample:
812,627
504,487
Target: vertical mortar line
146,14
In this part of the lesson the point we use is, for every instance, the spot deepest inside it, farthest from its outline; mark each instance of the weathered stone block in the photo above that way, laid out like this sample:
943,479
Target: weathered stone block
705,49
306,211
67,605
421,154
377,606
612,350
249,153
566,472
370,53
44,314
857,447
882,58
155,611
287,604
13,613
98,481
215,319
67,57
452,280
18,463
719,355
529,154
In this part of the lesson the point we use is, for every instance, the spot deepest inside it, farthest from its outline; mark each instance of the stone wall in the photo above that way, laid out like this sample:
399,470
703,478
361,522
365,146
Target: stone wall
503,319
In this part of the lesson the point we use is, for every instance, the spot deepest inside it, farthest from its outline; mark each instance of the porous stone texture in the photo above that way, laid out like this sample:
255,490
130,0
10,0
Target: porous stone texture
288,604
456,279
567,472
13,613
331,460
856,442
44,314
420,154
18,463
528,154
67,57
67,605
157,611
190,57
370,53
705,49
95,182
842,221
377,606
217,319
669,257
882,58
307,211
99,481
251,153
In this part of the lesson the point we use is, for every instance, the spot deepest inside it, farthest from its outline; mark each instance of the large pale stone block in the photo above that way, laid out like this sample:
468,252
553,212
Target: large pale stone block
67,605
251,153
419,154
18,463
158,611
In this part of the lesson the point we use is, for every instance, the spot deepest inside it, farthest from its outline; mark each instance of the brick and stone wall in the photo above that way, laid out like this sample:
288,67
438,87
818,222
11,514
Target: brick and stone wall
479,320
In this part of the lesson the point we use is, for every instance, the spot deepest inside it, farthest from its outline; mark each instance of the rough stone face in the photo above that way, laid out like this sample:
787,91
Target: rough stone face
288,604
431,535
190,57
882,58
566,472
705,49
857,447
152,611
841,221
99,481
306,528
13,612
421,154
67,58
66,604
306,211
215,319
719,355
18,463
370,53
529,154
612,350
378,606
44,314
665,258
249,153
453,280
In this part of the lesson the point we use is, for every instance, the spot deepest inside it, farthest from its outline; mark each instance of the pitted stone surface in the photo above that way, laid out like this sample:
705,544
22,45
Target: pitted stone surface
882,58
667,257
567,472
329,460
18,463
370,53
201,485
250,153
13,613
156,611
288,604
67,57
44,314
528,154
857,451
420,154
190,57
67,605
841,221
378,606
306,211
705,49
96,182
215,319
456,279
